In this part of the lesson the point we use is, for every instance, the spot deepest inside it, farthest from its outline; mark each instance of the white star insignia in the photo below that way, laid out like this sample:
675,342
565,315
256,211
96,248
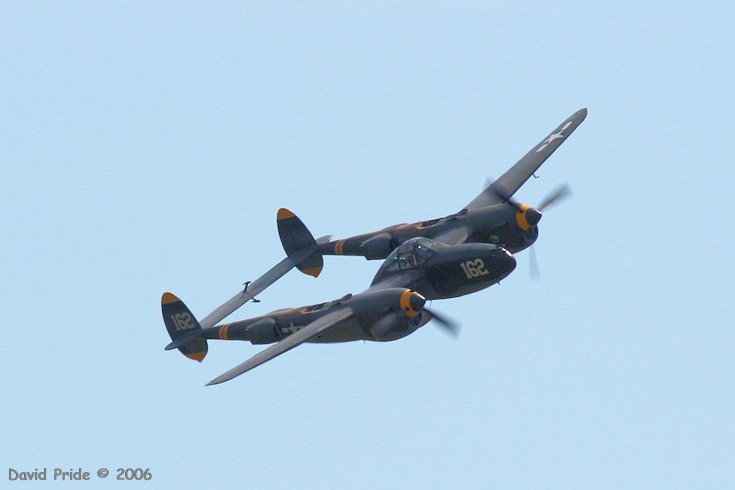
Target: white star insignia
554,137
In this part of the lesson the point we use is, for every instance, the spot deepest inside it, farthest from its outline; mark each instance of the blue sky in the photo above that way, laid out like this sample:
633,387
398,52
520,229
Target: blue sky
146,147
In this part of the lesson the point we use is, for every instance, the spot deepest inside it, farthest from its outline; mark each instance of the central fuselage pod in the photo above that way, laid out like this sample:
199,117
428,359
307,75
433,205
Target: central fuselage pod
439,271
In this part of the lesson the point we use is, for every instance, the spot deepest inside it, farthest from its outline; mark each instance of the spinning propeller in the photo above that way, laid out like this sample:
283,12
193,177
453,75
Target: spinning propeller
451,327
556,196
560,193
528,216
413,303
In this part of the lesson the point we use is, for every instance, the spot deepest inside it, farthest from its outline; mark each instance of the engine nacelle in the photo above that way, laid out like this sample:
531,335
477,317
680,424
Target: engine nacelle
396,325
263,332
378,247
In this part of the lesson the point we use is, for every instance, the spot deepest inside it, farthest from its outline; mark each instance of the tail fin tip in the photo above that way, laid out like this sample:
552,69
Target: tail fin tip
167,298
197,356
284,213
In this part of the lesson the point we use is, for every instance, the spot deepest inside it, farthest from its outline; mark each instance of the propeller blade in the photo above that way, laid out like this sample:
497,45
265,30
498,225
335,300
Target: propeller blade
450,326
560,193
492,185
533,263
503,194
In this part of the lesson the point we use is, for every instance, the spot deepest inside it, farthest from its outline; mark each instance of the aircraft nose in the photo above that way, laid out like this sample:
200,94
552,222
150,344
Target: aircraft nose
504,261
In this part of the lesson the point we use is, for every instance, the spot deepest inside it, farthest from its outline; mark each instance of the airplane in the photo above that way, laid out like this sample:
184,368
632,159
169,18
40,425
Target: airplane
491,217
392,307
436,259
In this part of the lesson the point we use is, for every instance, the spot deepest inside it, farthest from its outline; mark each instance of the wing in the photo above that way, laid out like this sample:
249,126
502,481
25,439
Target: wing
260,284
315,328
512,180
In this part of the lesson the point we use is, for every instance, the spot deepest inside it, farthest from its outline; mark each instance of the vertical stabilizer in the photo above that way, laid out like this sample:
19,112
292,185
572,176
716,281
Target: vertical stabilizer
295,237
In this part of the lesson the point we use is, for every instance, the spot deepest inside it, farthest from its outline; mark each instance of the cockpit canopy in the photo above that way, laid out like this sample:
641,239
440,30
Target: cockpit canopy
411,254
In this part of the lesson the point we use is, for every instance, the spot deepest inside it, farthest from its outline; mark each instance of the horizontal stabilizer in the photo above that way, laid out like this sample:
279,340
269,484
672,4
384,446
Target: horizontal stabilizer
183,340
256,287
303,252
